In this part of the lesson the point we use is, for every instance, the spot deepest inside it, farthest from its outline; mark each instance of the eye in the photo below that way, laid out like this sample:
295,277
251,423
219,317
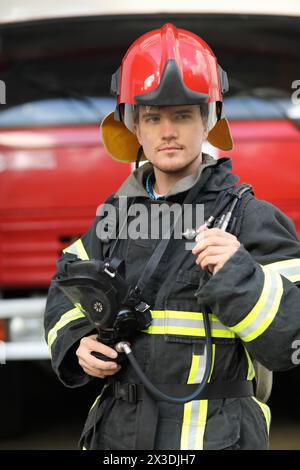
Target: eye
151,118
183,116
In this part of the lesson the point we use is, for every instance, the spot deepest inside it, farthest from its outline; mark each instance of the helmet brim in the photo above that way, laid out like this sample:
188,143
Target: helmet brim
122,145
220,136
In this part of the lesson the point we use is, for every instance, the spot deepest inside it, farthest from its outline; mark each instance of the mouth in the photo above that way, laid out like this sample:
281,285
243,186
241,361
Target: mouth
169,149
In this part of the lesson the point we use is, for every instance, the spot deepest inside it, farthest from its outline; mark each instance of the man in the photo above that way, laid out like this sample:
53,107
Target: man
169,91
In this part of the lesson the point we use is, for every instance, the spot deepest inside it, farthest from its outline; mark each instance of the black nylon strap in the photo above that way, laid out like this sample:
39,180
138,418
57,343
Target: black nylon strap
157,255
147,419
132,393
148,407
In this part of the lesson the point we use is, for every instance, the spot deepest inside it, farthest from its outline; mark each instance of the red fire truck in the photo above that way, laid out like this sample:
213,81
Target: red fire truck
55,70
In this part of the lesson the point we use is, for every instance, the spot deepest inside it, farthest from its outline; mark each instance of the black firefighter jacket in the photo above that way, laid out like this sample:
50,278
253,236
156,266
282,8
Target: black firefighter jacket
254,308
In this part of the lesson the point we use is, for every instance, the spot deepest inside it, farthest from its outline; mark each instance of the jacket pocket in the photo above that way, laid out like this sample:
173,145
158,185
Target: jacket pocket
100,408
138,252
189,276
182,317
223,428
181,296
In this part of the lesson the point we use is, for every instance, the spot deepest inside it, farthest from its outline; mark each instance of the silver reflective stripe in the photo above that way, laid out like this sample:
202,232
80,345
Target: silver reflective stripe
293,274
201,368
194,423
192,438
183,323
65,319
72,249
266,309
77,248
195,412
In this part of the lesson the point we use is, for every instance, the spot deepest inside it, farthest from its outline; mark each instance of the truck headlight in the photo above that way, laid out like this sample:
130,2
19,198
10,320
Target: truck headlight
22,329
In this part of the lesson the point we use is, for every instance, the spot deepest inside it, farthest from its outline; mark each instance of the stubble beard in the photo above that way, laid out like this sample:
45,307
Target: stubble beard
177,171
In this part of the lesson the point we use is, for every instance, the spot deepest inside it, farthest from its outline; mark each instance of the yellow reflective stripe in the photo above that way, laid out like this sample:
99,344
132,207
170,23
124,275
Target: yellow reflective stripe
194,422
155,330
99,397
77,249
266,411
84,448
180,331
95,402
185,324
289,268
194,370
251,370
70,315
198,367
264,311
212,361
186,426
195,412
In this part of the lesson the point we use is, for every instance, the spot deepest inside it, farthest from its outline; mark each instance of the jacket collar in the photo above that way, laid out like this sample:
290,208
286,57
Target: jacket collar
222,178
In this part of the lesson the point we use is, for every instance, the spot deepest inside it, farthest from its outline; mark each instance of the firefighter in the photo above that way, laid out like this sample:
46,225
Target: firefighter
169,92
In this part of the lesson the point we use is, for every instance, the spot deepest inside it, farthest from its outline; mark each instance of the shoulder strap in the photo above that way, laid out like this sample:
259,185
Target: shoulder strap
235,226
227,211
263,376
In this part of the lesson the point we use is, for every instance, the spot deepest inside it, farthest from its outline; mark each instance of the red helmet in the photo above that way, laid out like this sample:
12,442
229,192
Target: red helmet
165,67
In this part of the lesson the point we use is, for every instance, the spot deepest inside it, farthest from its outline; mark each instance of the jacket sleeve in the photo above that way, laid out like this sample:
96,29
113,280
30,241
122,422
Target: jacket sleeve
256,293
64,323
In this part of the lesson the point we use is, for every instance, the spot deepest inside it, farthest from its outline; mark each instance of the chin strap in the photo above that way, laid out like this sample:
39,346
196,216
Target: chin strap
138,157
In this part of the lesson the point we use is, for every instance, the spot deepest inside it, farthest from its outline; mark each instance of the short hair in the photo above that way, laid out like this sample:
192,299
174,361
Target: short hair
203,112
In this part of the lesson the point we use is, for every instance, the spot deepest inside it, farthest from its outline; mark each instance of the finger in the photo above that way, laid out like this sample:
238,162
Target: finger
215,240
96,372
86,356
210,260
91,344
93,372
203,244
96,363
218,231
215,232
202,228
211,251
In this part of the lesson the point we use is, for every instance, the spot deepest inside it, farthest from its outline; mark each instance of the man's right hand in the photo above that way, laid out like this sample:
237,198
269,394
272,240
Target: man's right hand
90,364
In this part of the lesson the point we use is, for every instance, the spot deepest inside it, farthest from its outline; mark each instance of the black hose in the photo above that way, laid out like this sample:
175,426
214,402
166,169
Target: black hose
158,394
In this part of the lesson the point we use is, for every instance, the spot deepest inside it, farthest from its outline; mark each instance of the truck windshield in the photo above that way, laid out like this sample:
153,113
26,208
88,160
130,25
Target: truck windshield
258,105
58,111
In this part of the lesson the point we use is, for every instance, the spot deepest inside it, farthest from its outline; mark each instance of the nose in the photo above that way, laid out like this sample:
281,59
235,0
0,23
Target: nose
169,130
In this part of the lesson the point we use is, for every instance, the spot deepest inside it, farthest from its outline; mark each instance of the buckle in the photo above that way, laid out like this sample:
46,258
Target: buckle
132,393
126,392
107,271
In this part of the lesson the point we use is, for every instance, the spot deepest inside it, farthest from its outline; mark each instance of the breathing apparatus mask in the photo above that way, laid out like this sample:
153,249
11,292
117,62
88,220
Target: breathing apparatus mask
99,290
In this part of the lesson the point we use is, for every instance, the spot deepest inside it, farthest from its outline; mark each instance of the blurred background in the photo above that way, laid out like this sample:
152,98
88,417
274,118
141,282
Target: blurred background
56,62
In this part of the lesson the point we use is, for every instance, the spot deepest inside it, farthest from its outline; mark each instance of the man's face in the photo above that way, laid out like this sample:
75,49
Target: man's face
171,136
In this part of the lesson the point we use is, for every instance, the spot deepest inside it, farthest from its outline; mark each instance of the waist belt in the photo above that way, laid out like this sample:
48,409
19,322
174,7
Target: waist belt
148,409
132,393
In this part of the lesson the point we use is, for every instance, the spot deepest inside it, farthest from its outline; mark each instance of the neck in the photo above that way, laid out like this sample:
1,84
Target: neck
165,181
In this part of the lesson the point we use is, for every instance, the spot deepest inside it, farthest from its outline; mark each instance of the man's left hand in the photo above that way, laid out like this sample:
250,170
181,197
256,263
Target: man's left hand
214,247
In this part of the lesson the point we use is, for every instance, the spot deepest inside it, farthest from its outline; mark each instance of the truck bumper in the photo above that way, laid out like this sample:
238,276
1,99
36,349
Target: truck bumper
24,330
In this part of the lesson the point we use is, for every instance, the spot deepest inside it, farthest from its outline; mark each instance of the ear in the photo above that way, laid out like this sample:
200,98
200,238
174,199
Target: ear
205,133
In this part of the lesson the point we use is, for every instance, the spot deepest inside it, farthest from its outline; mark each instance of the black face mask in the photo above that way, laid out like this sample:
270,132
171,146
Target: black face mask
99,290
